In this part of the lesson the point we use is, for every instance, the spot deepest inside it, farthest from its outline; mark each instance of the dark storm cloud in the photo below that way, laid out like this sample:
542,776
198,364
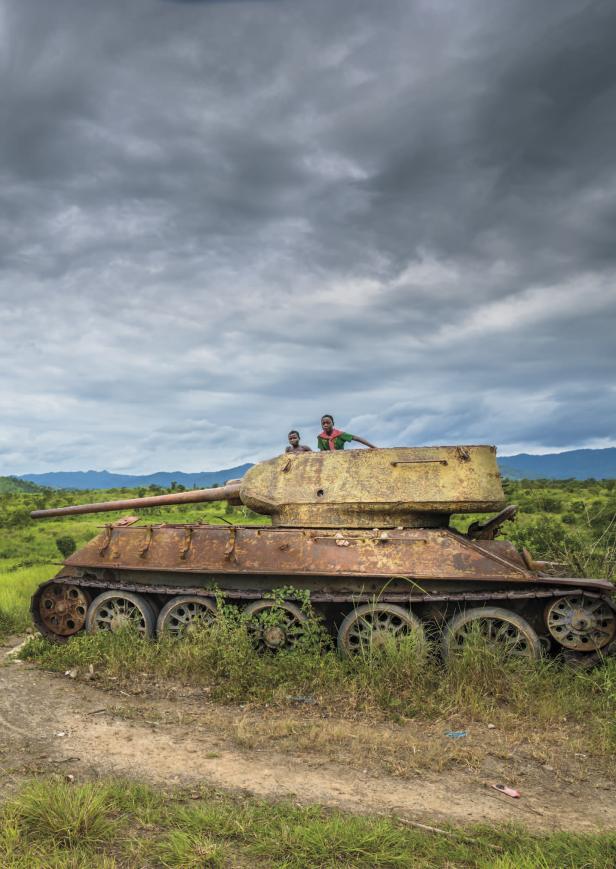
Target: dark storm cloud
220,219
210,2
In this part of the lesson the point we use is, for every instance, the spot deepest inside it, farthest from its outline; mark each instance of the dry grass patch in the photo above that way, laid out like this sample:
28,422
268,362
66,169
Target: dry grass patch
402,752
374,743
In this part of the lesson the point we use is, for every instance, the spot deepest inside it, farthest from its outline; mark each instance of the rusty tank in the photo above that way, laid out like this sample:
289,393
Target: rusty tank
365,533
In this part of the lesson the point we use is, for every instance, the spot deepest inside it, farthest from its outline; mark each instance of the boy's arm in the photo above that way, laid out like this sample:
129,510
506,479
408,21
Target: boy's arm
364,442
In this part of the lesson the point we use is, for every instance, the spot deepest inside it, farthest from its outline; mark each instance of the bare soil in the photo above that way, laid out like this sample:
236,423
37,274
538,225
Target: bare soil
51,722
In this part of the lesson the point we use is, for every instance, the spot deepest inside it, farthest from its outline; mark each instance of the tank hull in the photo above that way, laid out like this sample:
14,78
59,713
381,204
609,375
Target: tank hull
435,573
413,553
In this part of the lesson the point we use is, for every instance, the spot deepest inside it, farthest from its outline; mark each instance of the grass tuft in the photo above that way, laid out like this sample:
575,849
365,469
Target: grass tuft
183,850
64,816
16,588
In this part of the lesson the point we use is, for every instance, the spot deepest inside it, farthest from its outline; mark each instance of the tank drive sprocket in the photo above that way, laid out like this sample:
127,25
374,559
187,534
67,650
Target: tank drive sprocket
62,609
580,622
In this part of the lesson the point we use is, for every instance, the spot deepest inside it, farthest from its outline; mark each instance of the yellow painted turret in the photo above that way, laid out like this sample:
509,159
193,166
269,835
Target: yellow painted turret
401,486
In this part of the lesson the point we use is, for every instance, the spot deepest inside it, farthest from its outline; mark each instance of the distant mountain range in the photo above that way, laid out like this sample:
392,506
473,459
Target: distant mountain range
107,480
573,464
576,464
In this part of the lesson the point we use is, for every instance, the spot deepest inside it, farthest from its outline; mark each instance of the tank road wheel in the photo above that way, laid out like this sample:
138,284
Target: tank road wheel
274,625
181,615
115,610
62,609
580,623
504,628
370,626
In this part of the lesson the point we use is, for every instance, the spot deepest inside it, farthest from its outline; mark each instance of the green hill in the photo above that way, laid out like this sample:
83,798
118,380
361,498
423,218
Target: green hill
14,484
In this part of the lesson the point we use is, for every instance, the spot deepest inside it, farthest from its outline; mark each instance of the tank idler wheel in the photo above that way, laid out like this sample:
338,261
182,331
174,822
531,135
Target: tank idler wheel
370,626
274,625
184,614
63,608
503,628
115,610
581,623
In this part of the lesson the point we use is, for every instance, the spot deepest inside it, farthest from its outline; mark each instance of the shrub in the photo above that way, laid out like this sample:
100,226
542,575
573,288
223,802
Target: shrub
66,545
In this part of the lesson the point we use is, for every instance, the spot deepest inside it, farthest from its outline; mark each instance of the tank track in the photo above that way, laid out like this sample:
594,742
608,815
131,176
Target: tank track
442,600
322,596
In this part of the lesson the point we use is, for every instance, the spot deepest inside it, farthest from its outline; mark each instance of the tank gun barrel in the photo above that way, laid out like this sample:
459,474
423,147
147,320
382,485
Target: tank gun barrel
230,492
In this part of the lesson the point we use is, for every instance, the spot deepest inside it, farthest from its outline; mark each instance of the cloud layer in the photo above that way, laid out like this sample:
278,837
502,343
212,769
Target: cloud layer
219,220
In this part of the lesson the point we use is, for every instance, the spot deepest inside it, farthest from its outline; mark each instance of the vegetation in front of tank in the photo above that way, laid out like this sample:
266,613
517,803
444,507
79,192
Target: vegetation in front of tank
399,680
570,522
112,823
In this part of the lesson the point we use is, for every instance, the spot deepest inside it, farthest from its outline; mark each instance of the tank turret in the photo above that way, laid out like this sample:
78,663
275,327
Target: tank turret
400,487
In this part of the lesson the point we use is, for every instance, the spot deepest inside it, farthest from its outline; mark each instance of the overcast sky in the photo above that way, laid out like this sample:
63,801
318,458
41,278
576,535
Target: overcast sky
220,219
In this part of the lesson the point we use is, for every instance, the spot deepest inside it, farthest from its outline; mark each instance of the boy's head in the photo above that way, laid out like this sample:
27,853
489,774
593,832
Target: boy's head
294,438
327,421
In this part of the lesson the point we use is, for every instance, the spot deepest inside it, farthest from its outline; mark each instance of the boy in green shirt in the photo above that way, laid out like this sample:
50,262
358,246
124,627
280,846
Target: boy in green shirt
333,439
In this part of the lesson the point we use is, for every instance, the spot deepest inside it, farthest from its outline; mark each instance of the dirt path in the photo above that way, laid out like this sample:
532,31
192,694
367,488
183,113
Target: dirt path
50,722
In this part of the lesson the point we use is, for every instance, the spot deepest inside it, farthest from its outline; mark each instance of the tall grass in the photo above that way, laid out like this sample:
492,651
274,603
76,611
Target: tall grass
16,588
116,823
